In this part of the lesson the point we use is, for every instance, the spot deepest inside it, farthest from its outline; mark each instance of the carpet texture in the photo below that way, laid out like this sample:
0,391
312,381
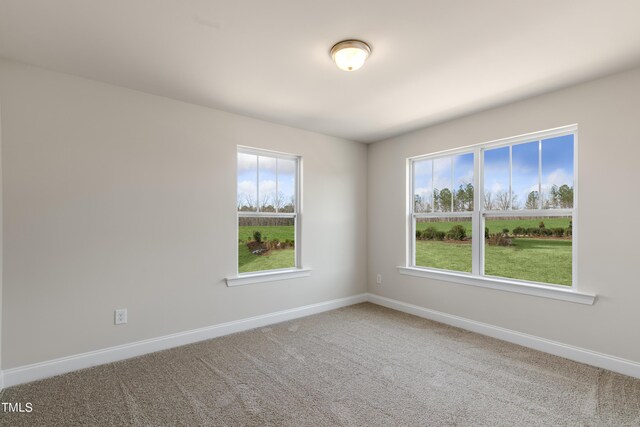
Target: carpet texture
362,365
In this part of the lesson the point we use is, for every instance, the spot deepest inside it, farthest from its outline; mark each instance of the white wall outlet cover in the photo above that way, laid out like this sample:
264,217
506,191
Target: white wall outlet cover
121,316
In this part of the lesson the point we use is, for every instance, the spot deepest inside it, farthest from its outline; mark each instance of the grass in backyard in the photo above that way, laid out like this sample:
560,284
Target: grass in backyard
273,232
444,255
538,260
275,259
248,262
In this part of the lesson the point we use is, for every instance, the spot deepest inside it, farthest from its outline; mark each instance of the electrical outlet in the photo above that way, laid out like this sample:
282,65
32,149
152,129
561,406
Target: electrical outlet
379,279
120,316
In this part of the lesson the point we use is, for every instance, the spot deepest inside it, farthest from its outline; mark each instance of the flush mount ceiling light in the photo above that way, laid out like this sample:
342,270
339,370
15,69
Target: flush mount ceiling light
349,55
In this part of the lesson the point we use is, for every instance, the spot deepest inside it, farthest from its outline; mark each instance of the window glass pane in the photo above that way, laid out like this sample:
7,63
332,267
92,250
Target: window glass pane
463,182
442,197
286,197
496,179
557,172
525,162
423,186
265,244
267,184
533,249
247,179
443,243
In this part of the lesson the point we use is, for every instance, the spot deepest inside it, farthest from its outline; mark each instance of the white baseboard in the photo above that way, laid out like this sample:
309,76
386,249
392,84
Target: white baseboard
582,355
37,371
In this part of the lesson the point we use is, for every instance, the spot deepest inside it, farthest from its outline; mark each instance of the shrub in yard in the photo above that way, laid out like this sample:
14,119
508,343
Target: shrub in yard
546,232
541,225
533,231
457,232
257,236
486,232
568,232
519,231
505,231
418,234
558,232
499,239
429,233
440,235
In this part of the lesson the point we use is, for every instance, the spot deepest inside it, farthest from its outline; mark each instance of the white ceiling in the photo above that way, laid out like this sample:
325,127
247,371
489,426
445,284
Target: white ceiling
432,60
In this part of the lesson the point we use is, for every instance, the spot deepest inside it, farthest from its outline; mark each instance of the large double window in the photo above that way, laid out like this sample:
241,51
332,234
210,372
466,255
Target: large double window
268,209
503,209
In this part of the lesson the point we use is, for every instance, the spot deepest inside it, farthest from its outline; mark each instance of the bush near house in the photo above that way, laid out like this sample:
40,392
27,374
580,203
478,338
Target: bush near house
457,232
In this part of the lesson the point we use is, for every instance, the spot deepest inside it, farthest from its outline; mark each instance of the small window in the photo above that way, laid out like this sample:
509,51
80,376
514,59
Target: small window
503,209
268,211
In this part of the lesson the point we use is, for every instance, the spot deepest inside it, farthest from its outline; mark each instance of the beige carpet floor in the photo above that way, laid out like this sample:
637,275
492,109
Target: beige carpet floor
359,366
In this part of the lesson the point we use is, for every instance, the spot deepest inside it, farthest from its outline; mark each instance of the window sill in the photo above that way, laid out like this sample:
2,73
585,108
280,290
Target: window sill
267,276
503,285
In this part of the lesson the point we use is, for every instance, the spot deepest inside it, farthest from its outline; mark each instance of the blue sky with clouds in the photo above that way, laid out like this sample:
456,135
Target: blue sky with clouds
557,162
248,184
496,170
557,169
524,173
440,173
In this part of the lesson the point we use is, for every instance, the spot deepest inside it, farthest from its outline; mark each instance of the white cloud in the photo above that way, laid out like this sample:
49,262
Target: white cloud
497,187
286,166
424,192
442,180
247,191
246,162
557,177
423,166
267,187
467,178
267,165
247,187
524,168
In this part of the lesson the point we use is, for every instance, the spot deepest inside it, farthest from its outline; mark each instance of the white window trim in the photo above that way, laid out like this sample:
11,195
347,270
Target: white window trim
521,287
279,274
477,277
267,276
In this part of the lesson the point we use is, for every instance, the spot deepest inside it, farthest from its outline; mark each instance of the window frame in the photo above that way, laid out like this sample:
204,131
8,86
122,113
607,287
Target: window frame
480,215
296,215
